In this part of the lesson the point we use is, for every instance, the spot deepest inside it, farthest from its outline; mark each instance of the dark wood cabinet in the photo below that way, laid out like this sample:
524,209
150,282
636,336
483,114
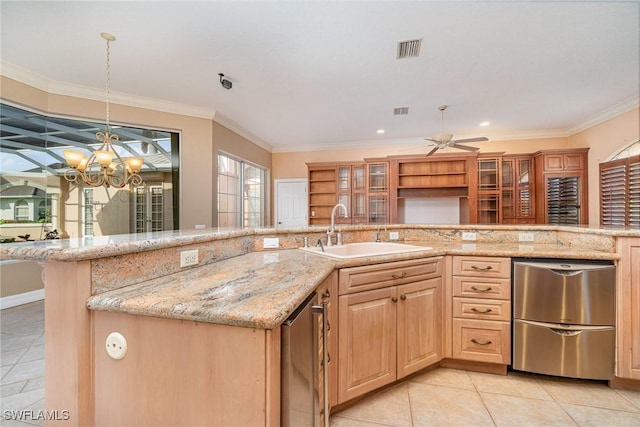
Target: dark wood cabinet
562,186
518,190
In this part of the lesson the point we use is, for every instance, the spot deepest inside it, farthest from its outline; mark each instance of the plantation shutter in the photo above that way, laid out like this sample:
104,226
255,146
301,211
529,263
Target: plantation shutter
620,192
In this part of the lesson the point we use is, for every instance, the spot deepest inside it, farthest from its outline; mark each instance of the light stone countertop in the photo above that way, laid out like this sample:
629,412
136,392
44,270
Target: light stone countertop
85,248
261,289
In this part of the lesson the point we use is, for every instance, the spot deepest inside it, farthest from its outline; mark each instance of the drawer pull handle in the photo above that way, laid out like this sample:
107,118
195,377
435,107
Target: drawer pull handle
477,289
485,311
399,276
486,268
475,341
328,326
326,294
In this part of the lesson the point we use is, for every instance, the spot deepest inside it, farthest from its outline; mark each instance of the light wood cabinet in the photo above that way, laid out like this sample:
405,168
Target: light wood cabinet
328,296
390,323
561,186
378,192
481,325
628,308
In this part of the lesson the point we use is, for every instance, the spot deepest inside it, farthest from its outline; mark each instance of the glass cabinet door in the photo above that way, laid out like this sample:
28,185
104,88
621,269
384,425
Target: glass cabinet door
344,194
359,195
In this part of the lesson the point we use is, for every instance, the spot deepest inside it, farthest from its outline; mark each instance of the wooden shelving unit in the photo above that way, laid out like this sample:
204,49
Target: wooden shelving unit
322,193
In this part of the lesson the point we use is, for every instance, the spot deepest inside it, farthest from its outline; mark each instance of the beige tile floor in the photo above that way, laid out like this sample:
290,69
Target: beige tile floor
442,397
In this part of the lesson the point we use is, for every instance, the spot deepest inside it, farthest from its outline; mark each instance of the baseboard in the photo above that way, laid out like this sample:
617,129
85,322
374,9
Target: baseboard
19,299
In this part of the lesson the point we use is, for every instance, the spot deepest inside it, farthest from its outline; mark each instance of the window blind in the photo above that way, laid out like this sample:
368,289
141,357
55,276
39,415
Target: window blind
620,192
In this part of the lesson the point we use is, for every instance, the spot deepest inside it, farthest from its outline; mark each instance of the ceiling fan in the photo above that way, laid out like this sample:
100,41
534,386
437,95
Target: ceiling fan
444,140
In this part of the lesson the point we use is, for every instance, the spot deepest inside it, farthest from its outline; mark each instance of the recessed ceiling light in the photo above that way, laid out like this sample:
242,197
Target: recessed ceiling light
380,131
485,123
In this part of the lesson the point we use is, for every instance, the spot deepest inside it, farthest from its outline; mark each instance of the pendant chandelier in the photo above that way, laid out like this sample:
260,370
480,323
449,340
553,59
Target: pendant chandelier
104,166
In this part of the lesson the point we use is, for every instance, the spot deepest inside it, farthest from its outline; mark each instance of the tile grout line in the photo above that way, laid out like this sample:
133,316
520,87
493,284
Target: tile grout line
475,388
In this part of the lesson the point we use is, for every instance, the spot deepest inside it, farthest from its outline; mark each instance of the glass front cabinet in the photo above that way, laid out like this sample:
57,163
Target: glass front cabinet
517,190
378,192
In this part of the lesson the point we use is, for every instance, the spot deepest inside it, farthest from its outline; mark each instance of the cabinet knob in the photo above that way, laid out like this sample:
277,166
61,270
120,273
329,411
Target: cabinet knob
403,297
394,299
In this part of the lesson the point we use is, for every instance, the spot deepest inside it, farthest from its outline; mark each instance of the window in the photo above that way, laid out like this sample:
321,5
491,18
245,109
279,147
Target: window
241,193
21,211
620,189
44,212
87,212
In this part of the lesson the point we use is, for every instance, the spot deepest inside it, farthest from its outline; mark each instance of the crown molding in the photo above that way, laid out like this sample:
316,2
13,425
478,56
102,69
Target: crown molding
235,127
408,142
610,113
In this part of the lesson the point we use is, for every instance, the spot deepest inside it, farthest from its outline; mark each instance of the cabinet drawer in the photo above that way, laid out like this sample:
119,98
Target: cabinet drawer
480,287
482,341
482,266
357,279
484,309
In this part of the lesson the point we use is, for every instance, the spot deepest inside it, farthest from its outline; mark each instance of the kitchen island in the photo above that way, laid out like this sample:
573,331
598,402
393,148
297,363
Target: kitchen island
203,341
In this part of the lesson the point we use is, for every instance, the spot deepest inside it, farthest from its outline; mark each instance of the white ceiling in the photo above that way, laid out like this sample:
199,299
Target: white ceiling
309,75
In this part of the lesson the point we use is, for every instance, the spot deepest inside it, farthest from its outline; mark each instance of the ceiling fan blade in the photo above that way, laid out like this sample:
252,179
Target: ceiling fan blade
464,147
478,139
432,151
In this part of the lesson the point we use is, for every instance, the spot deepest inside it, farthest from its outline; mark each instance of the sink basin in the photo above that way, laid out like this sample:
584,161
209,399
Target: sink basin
365,249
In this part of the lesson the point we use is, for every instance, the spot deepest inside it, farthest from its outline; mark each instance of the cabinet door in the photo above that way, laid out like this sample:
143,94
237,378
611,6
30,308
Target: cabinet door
573,161
367,342
358,211
344,194
628,295
419,325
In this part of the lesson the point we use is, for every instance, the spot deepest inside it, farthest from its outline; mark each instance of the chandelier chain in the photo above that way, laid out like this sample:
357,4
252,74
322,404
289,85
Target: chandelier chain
108,82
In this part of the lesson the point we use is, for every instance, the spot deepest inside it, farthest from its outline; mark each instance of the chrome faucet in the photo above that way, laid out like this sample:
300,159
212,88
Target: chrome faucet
332,230
378,232
320,244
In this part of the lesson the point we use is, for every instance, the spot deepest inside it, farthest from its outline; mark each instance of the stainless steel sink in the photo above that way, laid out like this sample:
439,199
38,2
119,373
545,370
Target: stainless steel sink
365,249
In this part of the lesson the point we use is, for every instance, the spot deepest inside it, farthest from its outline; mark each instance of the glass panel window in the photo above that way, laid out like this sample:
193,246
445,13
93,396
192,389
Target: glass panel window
241,193
87,211
21,211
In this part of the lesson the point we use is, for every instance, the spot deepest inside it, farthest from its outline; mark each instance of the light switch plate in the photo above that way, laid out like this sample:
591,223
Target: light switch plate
270,242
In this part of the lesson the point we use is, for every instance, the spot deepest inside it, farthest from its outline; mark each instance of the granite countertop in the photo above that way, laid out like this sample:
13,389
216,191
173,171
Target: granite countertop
257,290
261,289
84,248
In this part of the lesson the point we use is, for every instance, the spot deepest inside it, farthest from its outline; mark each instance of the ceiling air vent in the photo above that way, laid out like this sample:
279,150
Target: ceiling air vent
409,48
400,111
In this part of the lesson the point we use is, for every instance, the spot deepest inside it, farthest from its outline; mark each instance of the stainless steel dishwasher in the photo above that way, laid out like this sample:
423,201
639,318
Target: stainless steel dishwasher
300,385
564,318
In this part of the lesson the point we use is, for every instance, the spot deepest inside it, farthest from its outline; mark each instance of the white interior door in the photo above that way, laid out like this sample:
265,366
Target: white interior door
291,202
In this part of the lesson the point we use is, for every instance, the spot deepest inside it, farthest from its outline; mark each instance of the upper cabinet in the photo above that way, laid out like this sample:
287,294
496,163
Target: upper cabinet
378,192
363,188
489,183
441,175
561,186
518,190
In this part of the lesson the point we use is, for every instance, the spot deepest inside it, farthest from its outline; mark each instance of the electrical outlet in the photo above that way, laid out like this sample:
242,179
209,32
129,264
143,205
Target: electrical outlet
468,235
200,226
116,345
270,242
394,235
525,237
188,258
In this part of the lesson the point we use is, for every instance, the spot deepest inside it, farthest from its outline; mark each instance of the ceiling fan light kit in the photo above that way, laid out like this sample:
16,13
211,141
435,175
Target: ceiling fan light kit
444,140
